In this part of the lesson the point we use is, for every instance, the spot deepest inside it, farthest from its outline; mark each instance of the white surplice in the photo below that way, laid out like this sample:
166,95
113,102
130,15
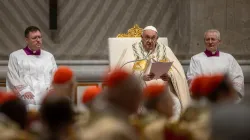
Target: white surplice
224,63
30,73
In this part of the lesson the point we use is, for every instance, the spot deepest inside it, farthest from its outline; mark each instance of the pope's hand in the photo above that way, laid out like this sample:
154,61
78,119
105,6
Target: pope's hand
148,77
165,77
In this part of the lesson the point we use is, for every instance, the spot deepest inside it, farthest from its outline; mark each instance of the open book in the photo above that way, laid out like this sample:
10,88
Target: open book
160,68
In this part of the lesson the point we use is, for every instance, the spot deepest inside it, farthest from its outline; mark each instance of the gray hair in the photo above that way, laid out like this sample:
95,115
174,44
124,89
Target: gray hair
145,30
213,30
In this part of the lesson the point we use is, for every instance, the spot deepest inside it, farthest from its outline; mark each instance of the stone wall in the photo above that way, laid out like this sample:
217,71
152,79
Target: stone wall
85,25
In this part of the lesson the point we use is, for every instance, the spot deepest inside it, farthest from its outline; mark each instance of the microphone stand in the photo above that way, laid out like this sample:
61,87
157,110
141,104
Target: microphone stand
136,60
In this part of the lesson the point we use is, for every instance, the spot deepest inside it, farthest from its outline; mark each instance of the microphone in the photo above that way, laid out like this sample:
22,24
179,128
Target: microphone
136,60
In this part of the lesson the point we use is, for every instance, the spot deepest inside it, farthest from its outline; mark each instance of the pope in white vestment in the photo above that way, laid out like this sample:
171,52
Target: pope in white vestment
213,61
30,70
159,52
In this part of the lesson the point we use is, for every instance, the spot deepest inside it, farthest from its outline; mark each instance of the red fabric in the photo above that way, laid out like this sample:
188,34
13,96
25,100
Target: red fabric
197,84
152,91
7,96
171,135
205,85
210,54
62,75
116,77
90,93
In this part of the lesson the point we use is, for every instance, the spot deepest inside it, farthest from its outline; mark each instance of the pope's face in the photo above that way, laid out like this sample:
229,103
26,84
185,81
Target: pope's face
211,41
34,40
149,39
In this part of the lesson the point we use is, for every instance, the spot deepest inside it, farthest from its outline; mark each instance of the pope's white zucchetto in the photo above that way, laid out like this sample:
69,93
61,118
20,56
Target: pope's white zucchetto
150,28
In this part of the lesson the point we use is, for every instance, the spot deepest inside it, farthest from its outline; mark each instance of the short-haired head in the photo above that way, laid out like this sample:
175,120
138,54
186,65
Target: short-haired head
57,111
152,94
30,29
214,31
149,38
124,90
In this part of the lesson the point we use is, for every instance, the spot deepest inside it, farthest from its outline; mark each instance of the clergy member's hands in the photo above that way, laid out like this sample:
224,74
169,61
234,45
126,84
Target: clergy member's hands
28,95
148,77
165,77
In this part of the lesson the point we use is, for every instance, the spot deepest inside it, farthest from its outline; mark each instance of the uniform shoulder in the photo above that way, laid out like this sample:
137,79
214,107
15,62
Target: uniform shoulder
154,129
136,44
163,45
83,118
46,52
113,122
155,125
17,52
226,54
199,55
107,127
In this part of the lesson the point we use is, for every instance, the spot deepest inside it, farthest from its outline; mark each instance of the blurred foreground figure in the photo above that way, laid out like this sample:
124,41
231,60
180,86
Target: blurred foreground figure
88,98
13,118
208,91
158,99
11,131
231,122
120,99
57,116
89,95
64,82
216,88
160,110
14,108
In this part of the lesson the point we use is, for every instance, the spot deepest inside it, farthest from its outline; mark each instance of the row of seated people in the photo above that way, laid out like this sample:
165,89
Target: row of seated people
125,110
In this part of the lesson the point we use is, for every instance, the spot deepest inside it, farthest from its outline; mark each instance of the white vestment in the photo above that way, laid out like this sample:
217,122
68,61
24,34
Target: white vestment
225,63
30,73
178,83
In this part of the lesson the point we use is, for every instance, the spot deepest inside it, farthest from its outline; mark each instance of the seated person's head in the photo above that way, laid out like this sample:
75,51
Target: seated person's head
123,90
63,81
90,94
57,112
157,98
216,88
